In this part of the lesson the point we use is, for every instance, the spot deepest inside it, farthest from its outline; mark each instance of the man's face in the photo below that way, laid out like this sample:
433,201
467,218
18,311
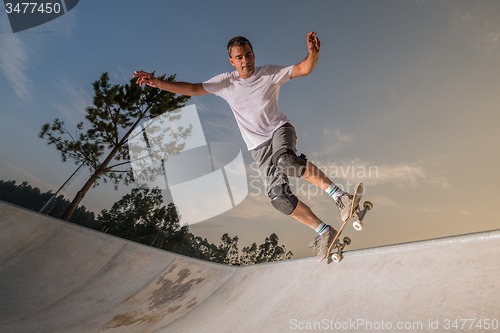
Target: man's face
243,58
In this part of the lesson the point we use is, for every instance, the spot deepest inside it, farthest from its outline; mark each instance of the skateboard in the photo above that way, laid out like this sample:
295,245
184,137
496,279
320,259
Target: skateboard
337,248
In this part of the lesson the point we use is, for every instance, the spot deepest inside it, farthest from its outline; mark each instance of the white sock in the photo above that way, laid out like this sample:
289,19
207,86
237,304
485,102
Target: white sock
335,191
323,228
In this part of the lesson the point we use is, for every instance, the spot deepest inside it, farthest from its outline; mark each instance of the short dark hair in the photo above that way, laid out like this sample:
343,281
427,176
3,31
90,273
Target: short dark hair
237,41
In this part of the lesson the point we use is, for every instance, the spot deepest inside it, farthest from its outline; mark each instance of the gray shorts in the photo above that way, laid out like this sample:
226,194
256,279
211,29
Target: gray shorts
283,138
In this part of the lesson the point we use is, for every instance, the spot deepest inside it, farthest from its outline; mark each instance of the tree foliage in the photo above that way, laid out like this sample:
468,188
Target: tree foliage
267,252
140,216
103,145
29,197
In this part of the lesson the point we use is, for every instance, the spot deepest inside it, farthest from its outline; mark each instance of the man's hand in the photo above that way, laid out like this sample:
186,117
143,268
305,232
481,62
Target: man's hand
313,44
180,88
147,78
307,65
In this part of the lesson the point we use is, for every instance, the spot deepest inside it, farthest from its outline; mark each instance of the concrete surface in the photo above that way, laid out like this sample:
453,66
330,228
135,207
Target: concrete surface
58,277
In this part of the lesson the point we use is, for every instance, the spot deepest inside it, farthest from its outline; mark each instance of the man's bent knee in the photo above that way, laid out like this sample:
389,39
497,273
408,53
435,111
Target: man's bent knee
290,164
283,199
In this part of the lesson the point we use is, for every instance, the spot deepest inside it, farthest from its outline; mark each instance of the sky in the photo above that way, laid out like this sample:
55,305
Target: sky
404,98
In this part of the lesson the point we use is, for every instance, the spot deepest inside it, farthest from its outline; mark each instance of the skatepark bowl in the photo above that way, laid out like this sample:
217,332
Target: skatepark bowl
60,277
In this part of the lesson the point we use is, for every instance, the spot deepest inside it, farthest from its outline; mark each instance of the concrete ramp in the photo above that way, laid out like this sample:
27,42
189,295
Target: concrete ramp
58,277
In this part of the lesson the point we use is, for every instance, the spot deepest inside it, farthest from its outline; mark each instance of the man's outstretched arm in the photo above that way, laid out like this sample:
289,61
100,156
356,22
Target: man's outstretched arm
180,88
307,65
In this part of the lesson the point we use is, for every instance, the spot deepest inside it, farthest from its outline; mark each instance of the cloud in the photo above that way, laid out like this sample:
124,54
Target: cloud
77,100
332,141
14,55
407,175
399,175
475,27
385,202
447,211
33,180
123,76
20,51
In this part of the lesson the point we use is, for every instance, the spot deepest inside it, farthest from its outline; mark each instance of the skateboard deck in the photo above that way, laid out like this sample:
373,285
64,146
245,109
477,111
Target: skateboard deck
336,248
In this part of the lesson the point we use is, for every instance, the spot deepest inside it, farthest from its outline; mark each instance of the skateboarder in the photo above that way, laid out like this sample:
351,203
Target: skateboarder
252,93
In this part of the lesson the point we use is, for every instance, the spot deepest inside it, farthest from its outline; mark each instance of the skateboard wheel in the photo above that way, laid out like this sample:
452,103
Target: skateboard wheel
358,225
337,257
347,240
368,205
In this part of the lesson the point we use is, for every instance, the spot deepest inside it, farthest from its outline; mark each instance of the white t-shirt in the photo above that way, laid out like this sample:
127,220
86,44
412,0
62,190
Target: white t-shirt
254,100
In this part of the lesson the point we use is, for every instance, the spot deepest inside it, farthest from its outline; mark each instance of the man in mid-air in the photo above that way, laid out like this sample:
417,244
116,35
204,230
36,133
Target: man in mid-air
252,93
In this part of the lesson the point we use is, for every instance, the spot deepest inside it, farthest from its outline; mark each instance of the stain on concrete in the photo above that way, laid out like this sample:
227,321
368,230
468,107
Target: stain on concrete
192,303
131,318
173,309
172,290
169,291
171,269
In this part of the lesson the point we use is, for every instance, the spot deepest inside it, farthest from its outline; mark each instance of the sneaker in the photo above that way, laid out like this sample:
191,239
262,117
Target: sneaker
344,204
324,241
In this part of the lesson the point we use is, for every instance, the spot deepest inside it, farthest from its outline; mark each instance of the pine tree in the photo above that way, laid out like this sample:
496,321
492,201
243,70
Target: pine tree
117,110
